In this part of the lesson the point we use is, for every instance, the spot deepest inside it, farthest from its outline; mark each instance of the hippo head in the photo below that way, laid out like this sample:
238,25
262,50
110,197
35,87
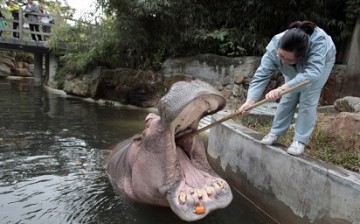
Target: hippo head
160,168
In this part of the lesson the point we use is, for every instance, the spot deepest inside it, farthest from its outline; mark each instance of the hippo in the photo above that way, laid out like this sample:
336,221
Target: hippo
160,168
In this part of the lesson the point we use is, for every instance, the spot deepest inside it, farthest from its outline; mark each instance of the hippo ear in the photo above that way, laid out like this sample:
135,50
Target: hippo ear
137,139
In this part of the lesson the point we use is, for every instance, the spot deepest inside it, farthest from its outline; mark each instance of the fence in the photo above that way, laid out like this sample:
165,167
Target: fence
22,30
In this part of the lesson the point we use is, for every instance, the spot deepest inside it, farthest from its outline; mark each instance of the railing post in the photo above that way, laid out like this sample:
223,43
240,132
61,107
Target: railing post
20,27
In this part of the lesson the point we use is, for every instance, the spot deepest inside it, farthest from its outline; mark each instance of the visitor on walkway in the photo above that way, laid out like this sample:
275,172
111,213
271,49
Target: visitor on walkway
303,52
14,9
46,20
32,13
2,21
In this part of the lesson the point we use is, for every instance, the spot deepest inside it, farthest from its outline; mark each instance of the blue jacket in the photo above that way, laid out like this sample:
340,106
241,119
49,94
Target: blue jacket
321,50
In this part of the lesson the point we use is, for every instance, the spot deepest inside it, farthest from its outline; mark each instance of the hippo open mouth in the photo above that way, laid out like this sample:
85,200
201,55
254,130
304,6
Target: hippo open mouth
161,168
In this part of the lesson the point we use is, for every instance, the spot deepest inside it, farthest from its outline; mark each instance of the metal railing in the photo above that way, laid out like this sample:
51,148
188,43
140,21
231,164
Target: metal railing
23,32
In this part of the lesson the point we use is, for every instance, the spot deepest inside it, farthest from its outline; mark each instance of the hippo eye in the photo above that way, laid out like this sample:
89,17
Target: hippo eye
177,128
147,121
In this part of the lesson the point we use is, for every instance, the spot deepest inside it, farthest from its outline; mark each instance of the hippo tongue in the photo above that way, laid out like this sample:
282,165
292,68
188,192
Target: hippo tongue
192,175
198,183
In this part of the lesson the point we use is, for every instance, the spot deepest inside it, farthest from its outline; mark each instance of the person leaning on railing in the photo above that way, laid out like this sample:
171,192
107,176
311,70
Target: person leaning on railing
31,10
46,19
14,9
2,22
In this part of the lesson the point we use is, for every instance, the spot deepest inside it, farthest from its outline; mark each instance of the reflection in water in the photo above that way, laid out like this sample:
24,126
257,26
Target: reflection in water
52,152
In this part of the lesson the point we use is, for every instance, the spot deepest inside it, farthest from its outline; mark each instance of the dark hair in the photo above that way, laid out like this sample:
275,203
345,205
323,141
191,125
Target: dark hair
296,39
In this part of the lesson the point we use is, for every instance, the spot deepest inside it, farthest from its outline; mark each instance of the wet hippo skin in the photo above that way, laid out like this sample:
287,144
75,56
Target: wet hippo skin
159,168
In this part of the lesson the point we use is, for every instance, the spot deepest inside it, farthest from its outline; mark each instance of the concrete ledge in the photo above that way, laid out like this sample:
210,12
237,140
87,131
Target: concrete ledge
290,189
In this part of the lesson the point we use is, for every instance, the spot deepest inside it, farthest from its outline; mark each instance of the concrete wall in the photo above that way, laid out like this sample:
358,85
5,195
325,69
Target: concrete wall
290,189
353,65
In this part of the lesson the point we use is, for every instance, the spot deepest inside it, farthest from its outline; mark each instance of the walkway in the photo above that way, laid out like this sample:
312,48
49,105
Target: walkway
9,43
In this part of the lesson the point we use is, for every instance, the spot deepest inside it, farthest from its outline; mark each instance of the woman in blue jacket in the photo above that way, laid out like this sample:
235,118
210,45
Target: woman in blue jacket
303,52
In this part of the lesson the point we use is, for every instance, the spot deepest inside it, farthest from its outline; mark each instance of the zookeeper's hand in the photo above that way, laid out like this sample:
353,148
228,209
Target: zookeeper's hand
244,108
275,94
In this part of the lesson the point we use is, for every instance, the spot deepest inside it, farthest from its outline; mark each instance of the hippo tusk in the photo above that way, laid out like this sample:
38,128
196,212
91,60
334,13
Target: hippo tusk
221,183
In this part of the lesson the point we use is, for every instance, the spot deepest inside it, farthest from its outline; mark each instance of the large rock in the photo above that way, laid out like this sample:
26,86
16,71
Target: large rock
9,62
8,66
77,87
21,64
346,128
127,86
84,86
334,85
348,104
22,72
4,70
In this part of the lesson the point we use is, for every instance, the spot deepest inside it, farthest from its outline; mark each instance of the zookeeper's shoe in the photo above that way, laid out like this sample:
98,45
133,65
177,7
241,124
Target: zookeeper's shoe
270,139
296,148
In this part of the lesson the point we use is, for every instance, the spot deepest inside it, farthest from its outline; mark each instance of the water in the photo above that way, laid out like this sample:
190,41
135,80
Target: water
52,152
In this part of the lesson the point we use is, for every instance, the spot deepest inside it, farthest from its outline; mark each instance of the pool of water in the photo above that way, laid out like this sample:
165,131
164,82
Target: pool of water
52,152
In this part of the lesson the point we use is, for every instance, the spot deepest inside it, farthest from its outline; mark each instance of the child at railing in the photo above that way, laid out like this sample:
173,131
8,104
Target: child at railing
46,20
14,9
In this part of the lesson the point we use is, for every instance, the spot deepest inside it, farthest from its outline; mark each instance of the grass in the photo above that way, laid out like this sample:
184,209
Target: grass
321,146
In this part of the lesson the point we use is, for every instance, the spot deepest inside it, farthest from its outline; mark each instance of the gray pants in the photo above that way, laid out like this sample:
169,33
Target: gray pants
308,99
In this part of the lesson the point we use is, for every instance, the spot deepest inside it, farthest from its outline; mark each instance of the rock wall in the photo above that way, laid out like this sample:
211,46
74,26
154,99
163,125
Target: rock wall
139,88
232,76
10,67
6,64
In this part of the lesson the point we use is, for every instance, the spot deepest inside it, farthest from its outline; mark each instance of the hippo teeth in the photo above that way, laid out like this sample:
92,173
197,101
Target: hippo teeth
209,190
199,193
182,198
179,133
221,183
192,196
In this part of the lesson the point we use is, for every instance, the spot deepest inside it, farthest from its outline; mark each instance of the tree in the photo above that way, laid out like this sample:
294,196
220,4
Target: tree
142,33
